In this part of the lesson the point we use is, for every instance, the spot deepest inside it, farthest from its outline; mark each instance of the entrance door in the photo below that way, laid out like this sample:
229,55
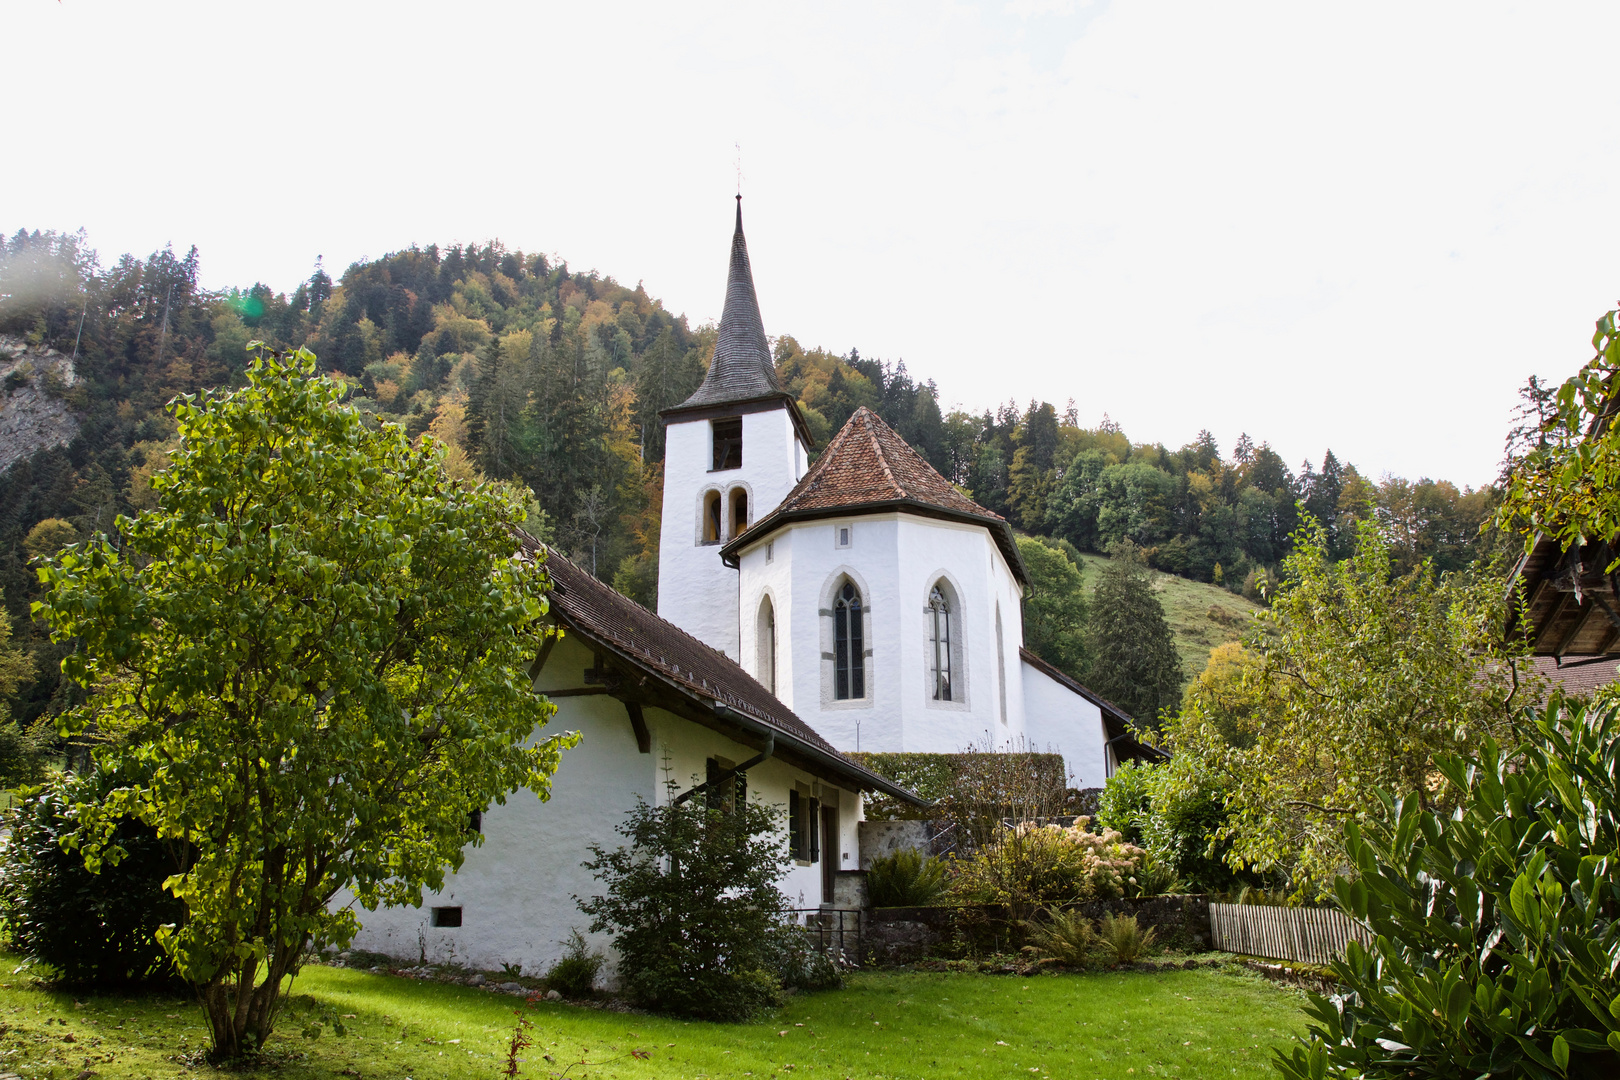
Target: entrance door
829,851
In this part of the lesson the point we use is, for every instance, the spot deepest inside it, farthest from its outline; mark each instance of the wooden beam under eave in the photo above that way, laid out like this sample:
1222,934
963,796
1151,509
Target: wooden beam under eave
1576,629
638,723
1552,619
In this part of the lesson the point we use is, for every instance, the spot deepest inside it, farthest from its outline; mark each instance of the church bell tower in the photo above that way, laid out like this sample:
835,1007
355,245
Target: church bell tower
732,452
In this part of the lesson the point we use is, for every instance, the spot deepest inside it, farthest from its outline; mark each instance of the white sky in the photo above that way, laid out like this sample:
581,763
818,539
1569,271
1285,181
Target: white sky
1356,226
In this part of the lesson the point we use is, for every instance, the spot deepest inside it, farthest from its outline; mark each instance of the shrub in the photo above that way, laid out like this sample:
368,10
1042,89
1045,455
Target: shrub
89,928
803,965
1045,865
574,974
1124,937
1497,926
1125,800
905,879
693,906
1065,937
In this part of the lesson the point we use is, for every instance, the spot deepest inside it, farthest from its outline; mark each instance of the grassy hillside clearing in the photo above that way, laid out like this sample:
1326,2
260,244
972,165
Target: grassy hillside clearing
1201,1023
1201,616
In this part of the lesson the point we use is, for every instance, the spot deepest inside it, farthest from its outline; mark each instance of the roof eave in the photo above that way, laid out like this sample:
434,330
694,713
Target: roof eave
726,715
787,400
732,550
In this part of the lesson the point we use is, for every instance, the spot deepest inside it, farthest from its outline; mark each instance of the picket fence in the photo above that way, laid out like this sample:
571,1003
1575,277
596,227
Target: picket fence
1304,935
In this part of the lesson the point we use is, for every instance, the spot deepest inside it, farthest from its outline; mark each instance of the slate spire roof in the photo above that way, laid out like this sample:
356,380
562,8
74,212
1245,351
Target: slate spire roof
742,369
868,468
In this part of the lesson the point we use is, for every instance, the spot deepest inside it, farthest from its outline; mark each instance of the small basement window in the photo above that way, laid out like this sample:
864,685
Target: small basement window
728,443
447,916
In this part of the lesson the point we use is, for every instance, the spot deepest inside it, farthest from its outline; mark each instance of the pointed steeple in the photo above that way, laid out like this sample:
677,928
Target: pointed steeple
742,369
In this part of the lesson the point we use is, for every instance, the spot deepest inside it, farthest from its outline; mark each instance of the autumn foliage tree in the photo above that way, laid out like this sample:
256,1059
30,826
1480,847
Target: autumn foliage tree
315,648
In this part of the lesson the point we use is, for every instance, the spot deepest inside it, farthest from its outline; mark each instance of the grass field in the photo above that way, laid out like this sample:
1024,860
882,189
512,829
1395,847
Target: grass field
1209,1022
1201,616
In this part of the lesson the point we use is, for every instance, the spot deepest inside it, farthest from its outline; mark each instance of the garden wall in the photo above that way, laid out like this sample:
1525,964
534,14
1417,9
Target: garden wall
902,935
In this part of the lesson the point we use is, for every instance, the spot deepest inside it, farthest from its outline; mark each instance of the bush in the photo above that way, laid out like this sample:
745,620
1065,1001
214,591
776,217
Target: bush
1497,926
698,922
905,879
1126,799
88,928
574,975
1046,865
1124,937
1176,811
1066,937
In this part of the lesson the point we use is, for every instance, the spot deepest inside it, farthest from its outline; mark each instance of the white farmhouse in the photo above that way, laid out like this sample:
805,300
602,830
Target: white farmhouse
856,601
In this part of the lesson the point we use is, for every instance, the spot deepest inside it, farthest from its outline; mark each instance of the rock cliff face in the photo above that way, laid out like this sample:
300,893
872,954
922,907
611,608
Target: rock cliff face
33,414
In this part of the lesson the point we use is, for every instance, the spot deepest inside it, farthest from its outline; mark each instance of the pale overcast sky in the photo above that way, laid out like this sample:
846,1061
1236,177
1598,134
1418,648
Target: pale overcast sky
1354,225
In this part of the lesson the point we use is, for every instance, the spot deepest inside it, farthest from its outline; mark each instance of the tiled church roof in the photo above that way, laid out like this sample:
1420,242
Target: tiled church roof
705,676
869,468
742,369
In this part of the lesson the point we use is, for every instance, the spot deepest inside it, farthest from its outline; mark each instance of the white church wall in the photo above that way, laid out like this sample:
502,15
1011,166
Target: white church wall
1058,719
516,891
696,591
894,559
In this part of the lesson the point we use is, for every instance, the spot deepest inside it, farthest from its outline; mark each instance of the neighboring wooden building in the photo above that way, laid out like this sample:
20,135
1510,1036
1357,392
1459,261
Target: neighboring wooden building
1571,603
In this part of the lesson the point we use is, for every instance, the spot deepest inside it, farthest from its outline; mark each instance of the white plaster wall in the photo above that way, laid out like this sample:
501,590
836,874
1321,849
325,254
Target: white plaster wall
895,558
517,889
1058,719
696,591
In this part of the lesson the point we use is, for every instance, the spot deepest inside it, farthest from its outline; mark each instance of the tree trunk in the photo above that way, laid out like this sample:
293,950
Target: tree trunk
242,1014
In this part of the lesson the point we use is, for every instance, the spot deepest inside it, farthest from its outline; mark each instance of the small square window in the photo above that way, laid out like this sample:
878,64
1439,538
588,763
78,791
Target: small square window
475,821
447,916
843,535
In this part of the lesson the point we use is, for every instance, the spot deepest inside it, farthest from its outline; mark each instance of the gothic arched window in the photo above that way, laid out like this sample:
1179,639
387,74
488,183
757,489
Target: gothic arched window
765,633
849,644
939,643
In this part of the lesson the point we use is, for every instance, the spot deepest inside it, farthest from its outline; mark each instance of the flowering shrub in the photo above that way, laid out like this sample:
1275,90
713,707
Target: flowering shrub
1049,864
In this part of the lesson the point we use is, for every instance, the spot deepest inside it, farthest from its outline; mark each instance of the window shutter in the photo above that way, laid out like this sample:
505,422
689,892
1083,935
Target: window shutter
795,825
815,830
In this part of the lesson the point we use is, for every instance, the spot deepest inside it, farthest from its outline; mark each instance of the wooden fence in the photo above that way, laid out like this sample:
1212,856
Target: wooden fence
1304,935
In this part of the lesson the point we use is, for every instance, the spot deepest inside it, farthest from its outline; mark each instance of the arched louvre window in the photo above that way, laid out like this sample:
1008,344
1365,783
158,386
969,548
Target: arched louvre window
939,642
849,644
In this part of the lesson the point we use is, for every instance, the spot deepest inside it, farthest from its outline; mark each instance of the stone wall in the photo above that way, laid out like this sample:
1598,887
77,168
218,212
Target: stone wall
903,935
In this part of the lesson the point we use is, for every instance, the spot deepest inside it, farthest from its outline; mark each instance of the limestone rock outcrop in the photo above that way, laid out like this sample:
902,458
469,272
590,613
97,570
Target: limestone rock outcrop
34,414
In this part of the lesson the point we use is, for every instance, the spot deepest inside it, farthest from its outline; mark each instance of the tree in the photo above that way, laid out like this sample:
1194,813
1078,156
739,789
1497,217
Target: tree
316,646
1365,678
22,751
1055,612
1497,924
692,902
1563,472
1133,656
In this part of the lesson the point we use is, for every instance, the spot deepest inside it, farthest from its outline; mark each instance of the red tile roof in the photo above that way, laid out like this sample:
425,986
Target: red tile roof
869,468
1579,676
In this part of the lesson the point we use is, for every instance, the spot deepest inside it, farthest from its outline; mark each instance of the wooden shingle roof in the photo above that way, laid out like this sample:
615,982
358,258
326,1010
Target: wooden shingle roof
868,468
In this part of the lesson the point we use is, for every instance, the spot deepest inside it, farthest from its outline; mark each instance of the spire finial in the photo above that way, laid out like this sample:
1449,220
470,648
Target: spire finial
738,147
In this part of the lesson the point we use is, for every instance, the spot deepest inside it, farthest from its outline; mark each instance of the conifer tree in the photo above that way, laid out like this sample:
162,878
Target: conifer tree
1133,657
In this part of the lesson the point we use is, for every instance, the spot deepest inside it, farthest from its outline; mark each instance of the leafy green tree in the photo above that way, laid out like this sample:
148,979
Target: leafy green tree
1055,611
1133,656
23,751
1365,680
316,648
692,903
1564,458
1497,924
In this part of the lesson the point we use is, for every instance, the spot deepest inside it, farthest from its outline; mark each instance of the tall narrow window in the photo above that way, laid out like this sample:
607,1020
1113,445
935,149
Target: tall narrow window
766,635
849,645
739,511
939,640
728,443
711,518
1001,666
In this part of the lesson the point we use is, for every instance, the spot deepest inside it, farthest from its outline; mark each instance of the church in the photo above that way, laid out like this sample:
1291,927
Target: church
812,601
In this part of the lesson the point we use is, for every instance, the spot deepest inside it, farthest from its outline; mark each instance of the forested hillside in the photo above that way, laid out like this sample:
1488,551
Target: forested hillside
553,378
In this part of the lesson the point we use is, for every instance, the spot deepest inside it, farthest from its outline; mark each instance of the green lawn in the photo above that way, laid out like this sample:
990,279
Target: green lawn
1203,1023
1187,607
